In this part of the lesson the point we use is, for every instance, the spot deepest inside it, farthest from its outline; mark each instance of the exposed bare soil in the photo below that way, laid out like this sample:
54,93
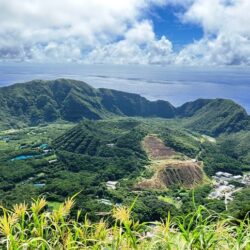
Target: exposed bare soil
156,149
169,171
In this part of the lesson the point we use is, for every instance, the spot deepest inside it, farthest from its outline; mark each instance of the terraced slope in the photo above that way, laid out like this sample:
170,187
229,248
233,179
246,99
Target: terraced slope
103,139
170,168
186,173
131,140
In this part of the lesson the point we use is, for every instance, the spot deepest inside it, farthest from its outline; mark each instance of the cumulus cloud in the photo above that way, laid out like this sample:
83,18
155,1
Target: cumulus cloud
227,33
222,50
114,31
216,16
139,46
37,28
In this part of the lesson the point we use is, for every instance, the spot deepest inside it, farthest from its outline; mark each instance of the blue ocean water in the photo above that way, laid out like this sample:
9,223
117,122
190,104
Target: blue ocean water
174,84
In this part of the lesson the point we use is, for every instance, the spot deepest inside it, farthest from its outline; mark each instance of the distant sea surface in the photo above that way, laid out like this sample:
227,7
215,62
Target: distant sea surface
174,84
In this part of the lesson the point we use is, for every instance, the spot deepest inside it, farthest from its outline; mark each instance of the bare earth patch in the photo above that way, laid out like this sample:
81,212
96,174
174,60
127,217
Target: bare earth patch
169,171
156,149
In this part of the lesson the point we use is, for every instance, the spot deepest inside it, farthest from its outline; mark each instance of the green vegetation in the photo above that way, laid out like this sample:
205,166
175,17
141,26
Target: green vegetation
102,159
215,117
230,154
36,227
39,102
241,204
86,156
237,146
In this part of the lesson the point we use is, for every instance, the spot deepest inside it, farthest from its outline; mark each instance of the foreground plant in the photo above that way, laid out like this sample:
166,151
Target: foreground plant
35,227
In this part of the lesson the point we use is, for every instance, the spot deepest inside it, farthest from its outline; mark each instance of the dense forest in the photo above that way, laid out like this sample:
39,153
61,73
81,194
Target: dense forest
116,150
92,153
38,102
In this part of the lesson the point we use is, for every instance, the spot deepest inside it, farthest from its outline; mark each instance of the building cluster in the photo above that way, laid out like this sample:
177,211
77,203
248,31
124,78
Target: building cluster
225,185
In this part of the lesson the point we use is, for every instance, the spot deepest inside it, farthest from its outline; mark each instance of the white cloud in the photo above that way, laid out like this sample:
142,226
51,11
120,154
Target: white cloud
139,46
113,31
141,33
33,25
227,33
222,50
216,16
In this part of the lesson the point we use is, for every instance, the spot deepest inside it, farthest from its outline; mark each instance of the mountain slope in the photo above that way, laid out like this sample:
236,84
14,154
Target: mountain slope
46,101
190,108
122,103
39,102
214,117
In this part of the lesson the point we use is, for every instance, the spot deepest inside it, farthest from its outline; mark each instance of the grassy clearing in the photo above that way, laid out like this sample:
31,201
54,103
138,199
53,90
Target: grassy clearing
54,205
21,140
34,227
170,200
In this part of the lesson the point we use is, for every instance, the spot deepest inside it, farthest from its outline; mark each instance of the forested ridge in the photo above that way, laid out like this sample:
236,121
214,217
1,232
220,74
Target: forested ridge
38,102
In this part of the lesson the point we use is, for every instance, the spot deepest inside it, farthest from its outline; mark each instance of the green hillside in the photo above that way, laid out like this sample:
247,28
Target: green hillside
39,102
214,117
237,145
92,153
122,103
84,138
85,157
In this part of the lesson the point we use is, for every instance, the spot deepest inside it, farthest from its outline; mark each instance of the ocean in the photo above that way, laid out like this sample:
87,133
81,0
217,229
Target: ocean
174,84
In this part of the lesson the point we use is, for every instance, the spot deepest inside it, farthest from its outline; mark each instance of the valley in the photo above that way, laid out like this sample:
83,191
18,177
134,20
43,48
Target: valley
109,161
112,147
125,125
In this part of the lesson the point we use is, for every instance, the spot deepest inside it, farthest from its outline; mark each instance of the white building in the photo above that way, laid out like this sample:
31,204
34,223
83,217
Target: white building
111,184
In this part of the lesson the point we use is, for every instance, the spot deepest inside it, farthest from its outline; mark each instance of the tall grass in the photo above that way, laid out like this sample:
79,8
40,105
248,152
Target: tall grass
34,227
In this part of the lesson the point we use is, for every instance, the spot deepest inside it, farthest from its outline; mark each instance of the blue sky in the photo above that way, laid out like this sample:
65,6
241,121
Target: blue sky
164,32
166,22
47,38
